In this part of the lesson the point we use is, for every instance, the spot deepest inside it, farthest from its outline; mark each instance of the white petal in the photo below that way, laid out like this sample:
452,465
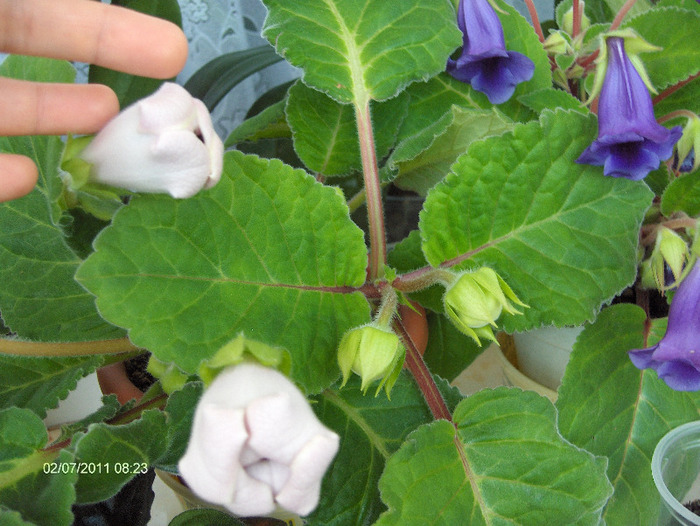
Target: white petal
171,106
271,473
210,465
302,490
252,497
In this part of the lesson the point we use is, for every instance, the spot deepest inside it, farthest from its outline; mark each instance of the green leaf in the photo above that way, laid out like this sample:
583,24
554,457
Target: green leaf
215,79
269,250
325,131
270,123
612,409
682,195
121,452
364,49
563,236
677,31
449,352
450,138
130,88
39,383
180,411
503,463
28,490
39,299
550,98
370,429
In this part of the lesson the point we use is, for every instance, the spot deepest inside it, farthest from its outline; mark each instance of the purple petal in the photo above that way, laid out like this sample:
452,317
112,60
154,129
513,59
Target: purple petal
625,104
484,62
676,358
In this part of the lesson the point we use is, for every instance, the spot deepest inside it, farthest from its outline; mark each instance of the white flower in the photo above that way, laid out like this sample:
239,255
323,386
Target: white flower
256,445
163,143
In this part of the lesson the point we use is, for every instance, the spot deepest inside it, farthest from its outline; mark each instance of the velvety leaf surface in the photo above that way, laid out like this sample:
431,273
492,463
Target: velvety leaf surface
179,411
27,492
122,451
562,235
423,171
364,49
39,299
504,463
325,131
371,429
610,408
284,271
683,194
680,56
39,383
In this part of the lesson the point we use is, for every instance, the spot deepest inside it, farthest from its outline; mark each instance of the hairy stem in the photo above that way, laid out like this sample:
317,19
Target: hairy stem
375,210
535,19
621,14
26,348
415,364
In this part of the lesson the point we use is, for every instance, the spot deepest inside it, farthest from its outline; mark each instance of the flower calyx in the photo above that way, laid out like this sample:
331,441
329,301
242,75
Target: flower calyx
670,250
374,352
474,300
242,349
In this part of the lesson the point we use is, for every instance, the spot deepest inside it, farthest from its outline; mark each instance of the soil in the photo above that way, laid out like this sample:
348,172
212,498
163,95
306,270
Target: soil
136,371
693,506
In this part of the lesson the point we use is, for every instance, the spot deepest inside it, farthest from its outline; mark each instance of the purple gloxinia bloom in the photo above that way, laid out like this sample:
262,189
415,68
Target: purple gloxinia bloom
630,142
676,358
485,63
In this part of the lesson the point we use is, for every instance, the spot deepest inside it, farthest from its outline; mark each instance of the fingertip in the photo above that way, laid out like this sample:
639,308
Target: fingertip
173,51
18,176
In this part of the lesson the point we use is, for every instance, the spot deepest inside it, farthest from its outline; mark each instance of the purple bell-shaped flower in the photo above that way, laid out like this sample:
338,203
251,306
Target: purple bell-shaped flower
485,63
630,142
676,358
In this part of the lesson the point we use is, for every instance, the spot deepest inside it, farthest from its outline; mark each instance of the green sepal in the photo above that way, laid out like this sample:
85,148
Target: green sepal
242,349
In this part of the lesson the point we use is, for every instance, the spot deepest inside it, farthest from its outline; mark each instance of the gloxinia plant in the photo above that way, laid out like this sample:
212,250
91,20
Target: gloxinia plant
484,62
675,358
317,351
630,142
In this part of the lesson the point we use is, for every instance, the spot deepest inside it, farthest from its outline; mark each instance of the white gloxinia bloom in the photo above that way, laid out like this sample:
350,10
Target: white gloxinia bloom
256,445
164,143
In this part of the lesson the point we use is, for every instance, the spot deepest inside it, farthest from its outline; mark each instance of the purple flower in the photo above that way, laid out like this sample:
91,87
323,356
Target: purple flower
630,142
676,358
485,63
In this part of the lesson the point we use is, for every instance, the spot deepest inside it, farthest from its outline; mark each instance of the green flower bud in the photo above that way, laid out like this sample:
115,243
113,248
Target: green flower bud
670,249
475,300
373,353
557,44
690,142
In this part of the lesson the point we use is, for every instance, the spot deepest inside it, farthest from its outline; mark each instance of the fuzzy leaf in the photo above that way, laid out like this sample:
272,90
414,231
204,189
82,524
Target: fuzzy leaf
563,236
268,252
363,49
28,490
39,299
504,451
39,383
325,131
683,194
679,57
610,408
370,429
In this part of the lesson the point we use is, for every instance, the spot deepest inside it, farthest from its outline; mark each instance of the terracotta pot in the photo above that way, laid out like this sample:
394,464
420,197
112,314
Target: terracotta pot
416,324
114,380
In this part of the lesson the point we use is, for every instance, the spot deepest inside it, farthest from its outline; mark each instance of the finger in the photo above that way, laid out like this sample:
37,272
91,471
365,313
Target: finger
32,108
18,175
92,32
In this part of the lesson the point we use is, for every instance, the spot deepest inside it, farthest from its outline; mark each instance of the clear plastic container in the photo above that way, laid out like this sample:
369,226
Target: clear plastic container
675,467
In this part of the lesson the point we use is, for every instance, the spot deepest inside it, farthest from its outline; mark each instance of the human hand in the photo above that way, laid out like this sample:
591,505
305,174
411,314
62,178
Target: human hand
83,31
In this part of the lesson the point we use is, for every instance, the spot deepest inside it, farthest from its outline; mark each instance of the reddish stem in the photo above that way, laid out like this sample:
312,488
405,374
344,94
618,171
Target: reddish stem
577,19
415,364
621,14
668,91
535,19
